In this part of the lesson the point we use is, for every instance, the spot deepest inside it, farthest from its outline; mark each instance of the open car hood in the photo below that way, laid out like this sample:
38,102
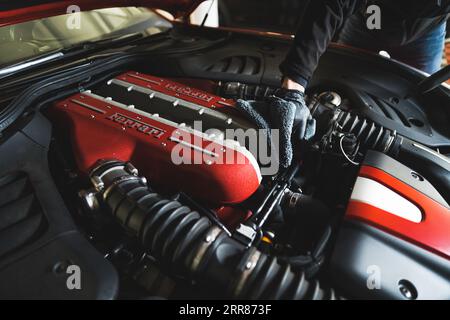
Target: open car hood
12,12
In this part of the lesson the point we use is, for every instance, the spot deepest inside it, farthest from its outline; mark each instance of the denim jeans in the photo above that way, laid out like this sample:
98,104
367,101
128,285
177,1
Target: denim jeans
424,53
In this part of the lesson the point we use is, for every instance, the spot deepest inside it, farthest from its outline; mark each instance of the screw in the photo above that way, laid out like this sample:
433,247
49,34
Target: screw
417,176
97,183
406,293
61,266
407,290
131,169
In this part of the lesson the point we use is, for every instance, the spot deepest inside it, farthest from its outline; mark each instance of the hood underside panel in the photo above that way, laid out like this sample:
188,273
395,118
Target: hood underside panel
12,12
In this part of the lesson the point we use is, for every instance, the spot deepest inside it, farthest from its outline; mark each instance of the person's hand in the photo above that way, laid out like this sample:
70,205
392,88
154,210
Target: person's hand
286,111
304,126
292,85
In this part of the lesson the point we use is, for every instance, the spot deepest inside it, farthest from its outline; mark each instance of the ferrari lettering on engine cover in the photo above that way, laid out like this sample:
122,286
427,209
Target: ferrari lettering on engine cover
189,92
136,124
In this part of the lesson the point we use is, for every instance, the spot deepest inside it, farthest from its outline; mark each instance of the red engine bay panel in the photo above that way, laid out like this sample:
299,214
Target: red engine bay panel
431,232
136,117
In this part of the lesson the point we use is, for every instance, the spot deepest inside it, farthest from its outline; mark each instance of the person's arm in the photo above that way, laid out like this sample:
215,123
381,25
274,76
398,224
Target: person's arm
321,21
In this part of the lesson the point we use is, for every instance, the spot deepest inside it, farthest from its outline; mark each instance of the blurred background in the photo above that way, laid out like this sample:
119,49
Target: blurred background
278,16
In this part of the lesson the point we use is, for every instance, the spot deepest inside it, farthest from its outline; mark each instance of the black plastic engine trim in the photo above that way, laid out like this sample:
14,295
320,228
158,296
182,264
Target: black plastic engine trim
36,269
363,252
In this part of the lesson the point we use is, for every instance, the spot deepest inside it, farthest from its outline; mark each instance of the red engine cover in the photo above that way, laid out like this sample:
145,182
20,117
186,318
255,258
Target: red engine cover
147,120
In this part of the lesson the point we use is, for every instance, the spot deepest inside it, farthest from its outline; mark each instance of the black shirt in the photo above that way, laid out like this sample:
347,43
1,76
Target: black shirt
402,21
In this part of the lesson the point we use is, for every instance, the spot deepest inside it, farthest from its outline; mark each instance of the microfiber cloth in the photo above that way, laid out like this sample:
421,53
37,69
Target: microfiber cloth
279,114
288,114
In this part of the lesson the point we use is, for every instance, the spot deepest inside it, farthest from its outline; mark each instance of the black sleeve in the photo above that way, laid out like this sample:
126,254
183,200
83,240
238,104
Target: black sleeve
321,20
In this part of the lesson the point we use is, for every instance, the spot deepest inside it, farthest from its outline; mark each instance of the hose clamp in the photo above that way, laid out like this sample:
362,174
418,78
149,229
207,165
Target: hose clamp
117,182
209,239
249,266
388,146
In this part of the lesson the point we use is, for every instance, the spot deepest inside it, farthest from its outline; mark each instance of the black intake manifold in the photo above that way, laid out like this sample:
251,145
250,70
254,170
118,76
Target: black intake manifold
190,245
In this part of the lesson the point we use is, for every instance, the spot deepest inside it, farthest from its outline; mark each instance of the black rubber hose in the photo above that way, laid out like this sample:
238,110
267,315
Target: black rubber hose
372,136
369,134
236,90
189,245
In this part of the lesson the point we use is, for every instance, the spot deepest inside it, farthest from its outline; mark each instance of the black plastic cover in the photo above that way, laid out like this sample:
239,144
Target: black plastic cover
368,263
38,239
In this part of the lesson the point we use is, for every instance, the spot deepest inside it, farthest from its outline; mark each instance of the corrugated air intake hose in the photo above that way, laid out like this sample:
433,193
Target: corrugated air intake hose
188,244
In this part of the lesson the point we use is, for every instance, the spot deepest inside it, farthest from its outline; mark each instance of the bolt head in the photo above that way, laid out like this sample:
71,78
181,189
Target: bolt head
131,169
98,184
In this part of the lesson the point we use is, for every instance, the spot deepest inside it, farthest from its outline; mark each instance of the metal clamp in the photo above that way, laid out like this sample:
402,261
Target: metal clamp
249,266
245,234
210,237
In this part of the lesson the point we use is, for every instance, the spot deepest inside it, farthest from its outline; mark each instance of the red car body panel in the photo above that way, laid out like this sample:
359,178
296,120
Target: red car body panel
431,233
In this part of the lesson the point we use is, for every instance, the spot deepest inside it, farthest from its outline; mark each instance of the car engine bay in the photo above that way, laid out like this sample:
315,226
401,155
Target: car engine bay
131,180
